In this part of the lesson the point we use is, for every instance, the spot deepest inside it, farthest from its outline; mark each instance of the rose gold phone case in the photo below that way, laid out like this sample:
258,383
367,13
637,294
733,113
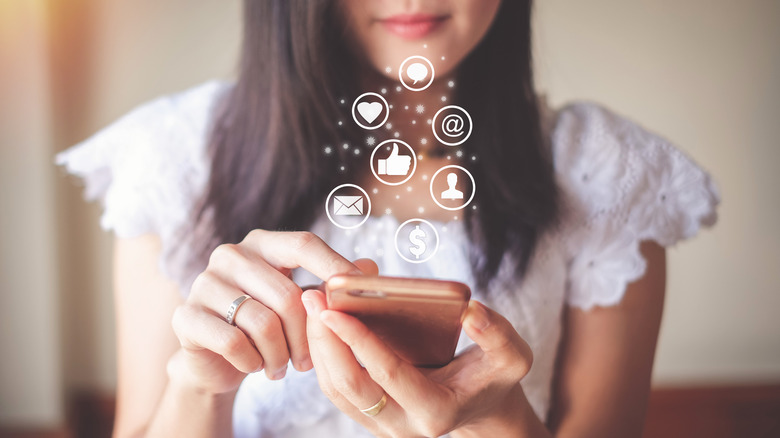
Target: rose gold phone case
420,319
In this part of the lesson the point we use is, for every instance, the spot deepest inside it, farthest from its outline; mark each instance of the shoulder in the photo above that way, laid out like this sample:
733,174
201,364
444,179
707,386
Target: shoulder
621,184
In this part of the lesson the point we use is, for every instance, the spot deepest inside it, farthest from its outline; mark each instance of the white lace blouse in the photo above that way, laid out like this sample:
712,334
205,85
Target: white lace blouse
620,185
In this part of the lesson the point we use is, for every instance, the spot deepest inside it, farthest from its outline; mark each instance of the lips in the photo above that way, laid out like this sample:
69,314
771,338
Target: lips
413,26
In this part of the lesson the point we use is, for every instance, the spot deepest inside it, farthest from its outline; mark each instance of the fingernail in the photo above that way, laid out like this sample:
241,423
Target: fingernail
280,373
480,320
309,306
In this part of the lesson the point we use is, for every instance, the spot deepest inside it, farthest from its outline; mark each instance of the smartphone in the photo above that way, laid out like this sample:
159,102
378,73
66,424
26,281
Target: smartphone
418,318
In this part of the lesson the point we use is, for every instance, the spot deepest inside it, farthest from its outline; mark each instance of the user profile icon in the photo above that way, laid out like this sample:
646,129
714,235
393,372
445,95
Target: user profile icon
348,206
370,110
452,125
393,162
452,187
416,73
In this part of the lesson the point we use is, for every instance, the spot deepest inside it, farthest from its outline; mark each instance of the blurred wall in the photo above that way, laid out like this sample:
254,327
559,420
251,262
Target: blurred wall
704,73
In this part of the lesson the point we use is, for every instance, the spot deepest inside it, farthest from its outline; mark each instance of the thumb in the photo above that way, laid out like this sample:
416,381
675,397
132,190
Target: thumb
504,348
395,151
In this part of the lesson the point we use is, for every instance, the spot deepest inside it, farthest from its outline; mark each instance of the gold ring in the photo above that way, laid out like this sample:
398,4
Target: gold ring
377,408
231,313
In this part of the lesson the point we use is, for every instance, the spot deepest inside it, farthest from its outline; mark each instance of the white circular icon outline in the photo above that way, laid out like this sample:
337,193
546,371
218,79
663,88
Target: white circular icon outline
473,187
327,209
384,102
402,69
414,162
435,248
436,134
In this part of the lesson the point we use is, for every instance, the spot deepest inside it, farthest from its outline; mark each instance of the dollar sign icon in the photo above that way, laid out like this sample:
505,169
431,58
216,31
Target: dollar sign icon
418,245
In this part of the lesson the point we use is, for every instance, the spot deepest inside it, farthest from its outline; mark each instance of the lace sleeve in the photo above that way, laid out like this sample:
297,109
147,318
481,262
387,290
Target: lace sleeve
148,167
622,185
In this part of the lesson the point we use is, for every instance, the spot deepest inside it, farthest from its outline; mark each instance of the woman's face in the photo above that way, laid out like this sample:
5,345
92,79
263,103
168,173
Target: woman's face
443,31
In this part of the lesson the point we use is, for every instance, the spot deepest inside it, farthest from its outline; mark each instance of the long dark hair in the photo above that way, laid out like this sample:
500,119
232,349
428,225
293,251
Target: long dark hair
266,159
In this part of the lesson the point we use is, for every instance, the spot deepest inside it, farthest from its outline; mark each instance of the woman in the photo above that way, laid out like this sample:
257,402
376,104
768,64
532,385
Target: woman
563,243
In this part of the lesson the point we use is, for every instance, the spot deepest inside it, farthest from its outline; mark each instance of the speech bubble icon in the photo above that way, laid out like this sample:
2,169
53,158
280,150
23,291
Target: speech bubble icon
417,72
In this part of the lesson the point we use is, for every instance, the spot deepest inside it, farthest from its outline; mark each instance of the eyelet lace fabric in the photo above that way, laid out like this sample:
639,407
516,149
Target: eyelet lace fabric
620,185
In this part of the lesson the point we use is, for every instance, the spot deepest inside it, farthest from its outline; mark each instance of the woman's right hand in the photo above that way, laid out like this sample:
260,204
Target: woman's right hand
270,328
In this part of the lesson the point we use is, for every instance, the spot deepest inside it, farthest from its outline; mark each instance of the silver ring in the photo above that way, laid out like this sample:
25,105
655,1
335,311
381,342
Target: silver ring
231,313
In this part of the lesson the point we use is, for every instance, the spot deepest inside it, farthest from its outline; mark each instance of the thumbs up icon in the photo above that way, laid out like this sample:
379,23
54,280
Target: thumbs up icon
394,164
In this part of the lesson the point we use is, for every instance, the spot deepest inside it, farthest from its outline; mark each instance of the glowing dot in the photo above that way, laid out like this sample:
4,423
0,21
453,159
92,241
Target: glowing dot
388,69
343,101
423,141
375,191
356,151
414,122
357,249
388,126
473,158
406,107
328,149
420,157
444,98
340,123
391,106
455,217
443,58
345,146
397,196
420,210
430,121
397,134
451,84
459,153
444,228
384,90
425,177
425,46
449,157
409,189
473,207
342,168
388,211
398,88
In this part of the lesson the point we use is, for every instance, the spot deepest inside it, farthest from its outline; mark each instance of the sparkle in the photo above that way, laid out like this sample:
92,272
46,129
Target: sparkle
420,157
406,107
451,84
420,210
459,154
398,88
423,140
384,90
370,141
444,98
328,150
420,108
388,126
375,190
388,69
388,211
345,146
397,134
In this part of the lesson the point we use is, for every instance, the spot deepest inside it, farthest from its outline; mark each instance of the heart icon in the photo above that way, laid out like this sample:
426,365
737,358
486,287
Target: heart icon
369,110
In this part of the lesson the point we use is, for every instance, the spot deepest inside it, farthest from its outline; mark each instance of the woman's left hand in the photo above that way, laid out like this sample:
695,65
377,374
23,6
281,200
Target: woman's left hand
478,388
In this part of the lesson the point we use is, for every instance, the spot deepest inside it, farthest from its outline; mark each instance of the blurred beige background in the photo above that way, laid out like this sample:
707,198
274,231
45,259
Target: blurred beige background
704,73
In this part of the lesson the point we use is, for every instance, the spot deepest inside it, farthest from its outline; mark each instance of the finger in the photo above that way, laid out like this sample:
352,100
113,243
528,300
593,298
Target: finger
263,326
402,381
367,266
197,329
504,348
300,249
320,341
249,273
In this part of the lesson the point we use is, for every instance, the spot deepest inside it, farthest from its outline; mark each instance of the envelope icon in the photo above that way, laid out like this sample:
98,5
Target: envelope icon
348,205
